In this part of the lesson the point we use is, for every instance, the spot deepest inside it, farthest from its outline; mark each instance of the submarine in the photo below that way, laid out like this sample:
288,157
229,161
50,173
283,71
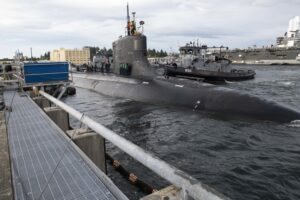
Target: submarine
134,78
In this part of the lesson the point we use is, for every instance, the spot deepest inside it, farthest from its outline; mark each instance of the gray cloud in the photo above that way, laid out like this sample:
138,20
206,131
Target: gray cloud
49,24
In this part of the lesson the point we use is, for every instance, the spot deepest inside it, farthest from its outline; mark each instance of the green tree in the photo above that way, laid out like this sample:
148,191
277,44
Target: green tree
156,53
45,56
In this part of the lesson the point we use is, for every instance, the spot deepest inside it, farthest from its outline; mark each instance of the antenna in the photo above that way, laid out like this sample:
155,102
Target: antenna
31,52
128,20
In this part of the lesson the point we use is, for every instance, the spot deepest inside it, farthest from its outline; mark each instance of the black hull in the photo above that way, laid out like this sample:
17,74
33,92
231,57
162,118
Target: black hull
210,75
190,94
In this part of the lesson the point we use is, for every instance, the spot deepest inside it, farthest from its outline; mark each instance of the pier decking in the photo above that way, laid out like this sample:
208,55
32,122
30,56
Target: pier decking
37,149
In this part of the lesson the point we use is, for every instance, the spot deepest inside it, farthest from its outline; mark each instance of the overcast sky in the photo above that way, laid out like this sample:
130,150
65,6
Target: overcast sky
49,24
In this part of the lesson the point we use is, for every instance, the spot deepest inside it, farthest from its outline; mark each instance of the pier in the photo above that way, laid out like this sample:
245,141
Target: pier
45,164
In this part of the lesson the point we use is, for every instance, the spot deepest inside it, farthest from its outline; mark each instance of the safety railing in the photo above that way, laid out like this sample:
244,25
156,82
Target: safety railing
189,185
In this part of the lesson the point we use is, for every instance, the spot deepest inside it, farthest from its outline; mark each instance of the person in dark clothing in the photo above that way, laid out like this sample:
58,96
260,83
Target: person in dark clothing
102,67
107,67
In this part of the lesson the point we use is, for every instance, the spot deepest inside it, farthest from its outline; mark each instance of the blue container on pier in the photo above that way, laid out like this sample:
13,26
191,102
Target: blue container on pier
47,72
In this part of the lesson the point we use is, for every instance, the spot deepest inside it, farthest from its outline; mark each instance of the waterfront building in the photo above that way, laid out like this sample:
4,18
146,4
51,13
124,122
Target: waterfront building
75,56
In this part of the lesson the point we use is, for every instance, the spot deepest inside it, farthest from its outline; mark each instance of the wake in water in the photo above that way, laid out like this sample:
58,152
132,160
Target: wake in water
229,82
286,83
295,123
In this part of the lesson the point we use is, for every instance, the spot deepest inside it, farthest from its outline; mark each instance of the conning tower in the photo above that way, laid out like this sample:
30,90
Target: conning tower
130,52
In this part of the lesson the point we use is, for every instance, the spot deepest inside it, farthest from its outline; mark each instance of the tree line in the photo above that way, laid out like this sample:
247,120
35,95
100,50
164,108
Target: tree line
157,53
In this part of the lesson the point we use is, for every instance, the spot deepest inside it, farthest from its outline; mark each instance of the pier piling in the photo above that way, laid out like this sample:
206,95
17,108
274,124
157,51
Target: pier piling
42,102
92,144
59,116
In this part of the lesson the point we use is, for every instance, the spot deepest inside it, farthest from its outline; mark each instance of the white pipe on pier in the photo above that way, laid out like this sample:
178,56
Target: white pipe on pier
188,184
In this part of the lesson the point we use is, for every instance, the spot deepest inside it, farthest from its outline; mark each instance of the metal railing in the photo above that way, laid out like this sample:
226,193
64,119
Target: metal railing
189,185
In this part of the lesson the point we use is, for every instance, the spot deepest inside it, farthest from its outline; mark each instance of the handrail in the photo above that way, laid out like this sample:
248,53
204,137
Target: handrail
189,185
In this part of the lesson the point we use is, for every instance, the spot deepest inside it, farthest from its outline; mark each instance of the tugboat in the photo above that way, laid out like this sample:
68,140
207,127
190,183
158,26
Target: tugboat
193,63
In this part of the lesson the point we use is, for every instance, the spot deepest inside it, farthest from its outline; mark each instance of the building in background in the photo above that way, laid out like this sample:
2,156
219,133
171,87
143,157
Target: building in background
75,56
286,50
292,36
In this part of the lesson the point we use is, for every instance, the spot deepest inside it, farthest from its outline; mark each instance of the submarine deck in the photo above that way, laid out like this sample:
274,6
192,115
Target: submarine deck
43,160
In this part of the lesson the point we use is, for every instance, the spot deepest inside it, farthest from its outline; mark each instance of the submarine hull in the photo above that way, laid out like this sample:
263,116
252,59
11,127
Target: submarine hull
191,94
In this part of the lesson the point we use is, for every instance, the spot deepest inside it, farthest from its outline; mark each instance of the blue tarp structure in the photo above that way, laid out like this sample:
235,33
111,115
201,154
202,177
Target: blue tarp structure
46,72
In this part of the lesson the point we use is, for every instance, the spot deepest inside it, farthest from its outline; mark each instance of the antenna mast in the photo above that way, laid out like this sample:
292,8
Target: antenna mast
128,20
31,53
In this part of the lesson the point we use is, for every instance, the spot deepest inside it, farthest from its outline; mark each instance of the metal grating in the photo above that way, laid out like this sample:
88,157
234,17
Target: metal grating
36,146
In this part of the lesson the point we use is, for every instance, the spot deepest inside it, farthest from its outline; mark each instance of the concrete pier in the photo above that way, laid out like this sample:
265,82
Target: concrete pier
59,116
92,144
41,102
6,192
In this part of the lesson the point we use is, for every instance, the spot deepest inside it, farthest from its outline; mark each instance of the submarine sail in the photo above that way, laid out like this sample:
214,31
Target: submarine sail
134,79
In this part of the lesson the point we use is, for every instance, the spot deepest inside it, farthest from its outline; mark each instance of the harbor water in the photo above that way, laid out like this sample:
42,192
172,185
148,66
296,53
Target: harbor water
241,158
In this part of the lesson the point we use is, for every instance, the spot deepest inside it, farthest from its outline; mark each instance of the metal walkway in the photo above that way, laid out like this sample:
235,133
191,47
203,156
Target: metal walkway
36,147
